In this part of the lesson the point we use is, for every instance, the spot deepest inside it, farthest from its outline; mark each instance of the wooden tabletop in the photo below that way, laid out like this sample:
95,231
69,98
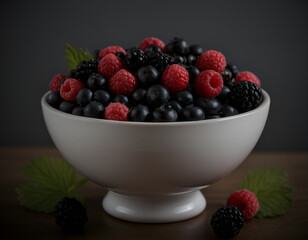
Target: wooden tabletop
17,222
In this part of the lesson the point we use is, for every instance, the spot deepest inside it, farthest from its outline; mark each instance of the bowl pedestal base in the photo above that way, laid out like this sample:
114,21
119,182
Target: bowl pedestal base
154,209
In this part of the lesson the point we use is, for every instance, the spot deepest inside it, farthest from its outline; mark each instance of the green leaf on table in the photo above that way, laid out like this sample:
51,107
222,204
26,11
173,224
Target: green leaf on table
74,56
51,180
268,184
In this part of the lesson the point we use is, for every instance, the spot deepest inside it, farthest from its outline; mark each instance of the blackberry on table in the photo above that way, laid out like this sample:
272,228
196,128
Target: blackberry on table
70,215
160,60
227,222
245,96
84,70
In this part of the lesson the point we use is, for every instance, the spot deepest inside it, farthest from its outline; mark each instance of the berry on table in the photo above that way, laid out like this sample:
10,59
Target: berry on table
152,41
247,76
192,113
55,83
164,115
157,95
245,201
139,113
175,78
70,215
110,65
70,88
112,50
123,82
208,84
94,110
211,60
227,222
116,111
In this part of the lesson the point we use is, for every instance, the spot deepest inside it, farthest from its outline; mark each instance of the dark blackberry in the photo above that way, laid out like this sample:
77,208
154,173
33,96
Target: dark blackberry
134,59
70,215
84,70
160,60
245,96
227,222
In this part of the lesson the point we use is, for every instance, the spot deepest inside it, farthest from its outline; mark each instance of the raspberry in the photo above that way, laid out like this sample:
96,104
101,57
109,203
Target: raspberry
109,65
123,82
175,78
151,40
55,83
208,83
70,89
111,49
211,60
245,201
116,111
248,76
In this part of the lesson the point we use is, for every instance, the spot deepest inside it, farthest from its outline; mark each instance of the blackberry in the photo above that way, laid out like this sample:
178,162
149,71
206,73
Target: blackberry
160,60
245,96
134,59
84,70
227,222
70,215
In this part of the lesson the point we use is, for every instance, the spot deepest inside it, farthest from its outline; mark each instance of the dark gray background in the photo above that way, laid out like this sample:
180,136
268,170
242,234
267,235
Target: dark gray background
268,38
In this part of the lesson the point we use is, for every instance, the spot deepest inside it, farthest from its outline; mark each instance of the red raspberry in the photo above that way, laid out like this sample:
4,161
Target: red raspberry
70,89
211,60
123,82
208,83
111,49
175,78
110,64
245,201
151,40
248,76
116,111
55,83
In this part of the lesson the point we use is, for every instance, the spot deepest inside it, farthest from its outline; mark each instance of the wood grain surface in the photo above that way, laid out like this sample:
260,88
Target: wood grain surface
17,222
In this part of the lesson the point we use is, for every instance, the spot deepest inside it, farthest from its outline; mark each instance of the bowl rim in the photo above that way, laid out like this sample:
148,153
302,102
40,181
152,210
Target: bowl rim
265,103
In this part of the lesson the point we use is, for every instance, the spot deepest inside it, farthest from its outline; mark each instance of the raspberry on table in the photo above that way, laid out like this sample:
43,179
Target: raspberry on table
123,82
152,41
55,83
208,83
70,89
248,76
211,60
116,111
111,49
175,78
245,201
110,65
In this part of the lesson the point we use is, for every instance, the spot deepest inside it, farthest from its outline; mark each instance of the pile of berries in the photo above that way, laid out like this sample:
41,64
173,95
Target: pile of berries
156,83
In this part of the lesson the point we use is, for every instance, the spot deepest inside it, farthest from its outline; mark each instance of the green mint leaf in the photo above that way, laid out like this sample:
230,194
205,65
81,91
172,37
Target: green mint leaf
74,56
268,185
52,180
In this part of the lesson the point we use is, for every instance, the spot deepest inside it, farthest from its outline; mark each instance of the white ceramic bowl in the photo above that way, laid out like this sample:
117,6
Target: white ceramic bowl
154,171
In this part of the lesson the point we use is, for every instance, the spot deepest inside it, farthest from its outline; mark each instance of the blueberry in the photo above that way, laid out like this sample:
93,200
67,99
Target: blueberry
54,99
97,81
94,110
226,75
185,97
177,46
233,69
147,75
84,96
228,110
179,59
79,111
121,99
190,60
157,95
210,106
195,50
102,96
174,105
152,48
67,106
193,73
164,115
213,117
138,96
222,96
139,113
192,113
